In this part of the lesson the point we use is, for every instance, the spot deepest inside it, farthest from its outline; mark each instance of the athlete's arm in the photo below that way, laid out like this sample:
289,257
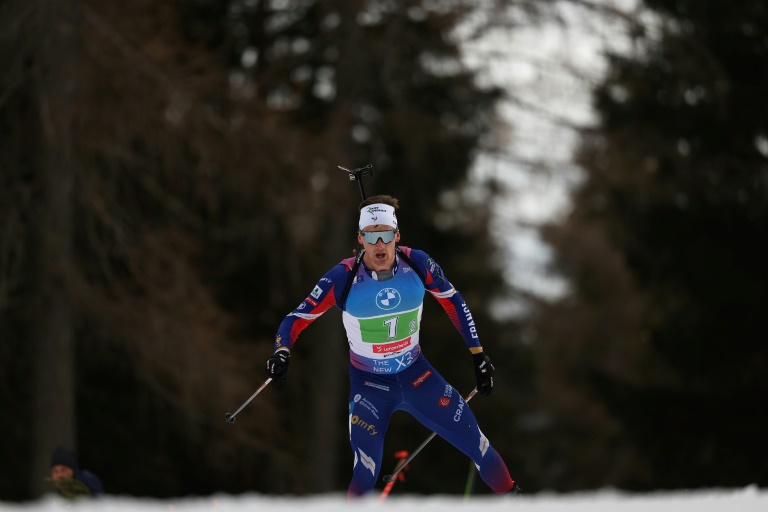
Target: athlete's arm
325,294
449,298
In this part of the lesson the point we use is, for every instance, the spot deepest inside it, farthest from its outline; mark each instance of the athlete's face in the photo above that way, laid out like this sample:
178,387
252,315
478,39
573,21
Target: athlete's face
379,256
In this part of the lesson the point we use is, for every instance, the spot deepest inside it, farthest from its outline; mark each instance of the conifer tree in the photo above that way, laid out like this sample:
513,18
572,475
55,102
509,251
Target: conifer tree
656,359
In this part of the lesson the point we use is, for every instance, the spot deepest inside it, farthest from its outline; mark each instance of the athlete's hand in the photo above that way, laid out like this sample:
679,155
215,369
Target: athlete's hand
483,373
277,365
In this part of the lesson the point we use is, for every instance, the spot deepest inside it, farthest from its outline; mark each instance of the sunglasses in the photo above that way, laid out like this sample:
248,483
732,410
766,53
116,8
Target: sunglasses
372,237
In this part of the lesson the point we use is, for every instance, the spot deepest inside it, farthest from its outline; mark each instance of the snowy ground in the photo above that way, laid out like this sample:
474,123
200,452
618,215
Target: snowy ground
750,499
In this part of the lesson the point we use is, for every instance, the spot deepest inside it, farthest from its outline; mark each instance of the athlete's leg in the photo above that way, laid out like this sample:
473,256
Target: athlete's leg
440,407
371,403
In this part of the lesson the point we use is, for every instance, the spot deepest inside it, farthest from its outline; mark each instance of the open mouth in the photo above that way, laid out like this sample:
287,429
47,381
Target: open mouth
380,255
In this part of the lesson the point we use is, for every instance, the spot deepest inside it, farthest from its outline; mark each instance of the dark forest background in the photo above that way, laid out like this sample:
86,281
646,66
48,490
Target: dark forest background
170,191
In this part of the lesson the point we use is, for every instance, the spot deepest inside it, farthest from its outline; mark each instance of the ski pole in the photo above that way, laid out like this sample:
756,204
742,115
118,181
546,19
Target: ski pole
390,478
401,456
230,416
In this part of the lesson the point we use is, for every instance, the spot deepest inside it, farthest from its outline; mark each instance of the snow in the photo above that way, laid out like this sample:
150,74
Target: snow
748,499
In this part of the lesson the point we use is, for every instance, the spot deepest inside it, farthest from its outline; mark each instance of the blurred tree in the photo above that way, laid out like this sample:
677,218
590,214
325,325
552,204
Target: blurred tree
195,201
654,365
116,189
51,255
381,83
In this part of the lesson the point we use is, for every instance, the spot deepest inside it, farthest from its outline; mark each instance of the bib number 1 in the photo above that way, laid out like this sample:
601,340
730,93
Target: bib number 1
391,326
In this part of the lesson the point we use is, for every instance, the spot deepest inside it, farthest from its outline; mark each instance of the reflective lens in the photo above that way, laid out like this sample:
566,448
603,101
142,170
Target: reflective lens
372,237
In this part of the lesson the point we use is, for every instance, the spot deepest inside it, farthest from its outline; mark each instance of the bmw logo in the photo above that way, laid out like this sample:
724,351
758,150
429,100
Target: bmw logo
388,298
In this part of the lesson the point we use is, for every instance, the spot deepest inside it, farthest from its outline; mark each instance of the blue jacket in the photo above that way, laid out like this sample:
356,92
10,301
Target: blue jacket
91,481
382,318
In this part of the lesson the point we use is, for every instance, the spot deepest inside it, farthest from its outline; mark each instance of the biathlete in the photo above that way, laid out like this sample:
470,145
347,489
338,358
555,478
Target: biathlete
381,294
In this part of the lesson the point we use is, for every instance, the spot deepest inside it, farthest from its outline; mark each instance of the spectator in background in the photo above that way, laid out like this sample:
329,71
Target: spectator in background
70,480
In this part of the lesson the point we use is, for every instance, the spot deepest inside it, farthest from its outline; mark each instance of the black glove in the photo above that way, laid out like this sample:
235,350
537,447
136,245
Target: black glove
483,373
277,365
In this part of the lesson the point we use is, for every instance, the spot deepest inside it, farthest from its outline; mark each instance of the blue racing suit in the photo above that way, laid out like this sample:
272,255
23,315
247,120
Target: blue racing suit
388,371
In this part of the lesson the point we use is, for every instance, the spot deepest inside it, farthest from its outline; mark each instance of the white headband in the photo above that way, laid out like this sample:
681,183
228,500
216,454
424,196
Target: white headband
378,213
